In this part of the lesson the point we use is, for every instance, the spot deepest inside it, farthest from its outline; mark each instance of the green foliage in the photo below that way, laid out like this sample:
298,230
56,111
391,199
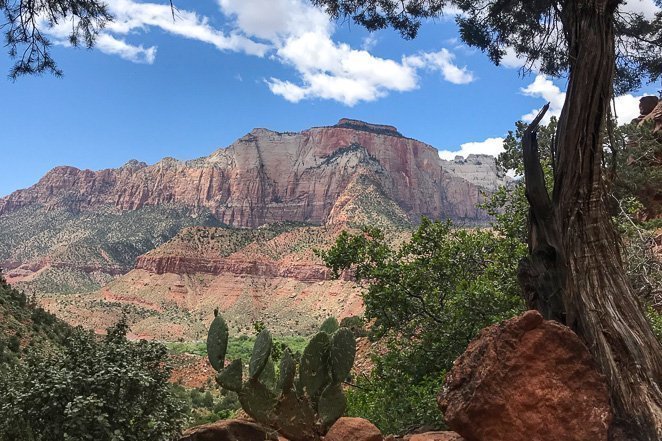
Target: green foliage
206,406
307,411
108,389
395,402
655,319
427,299
508,205
23,323
26,23
356,324
637,159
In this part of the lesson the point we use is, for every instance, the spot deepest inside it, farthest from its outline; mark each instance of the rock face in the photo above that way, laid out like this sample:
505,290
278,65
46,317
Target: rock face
229,430
354,429
268,176
480,170
654,115
526,379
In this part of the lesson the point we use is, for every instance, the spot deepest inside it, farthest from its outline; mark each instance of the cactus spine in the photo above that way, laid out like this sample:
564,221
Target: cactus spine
303,408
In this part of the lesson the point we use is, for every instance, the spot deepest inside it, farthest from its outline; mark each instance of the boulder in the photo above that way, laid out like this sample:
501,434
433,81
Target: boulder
229,430
526,379
654,118
647,104
353,429
435,436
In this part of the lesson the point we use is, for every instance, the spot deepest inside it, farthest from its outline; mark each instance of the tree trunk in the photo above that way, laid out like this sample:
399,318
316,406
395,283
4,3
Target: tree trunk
574,250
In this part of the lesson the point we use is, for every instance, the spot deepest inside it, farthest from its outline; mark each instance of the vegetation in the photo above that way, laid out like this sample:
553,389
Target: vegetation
427,299
93,389
25,327
24,23
75,242
602,50
300,408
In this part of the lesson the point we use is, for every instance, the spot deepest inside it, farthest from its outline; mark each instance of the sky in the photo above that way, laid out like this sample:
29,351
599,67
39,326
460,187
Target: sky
154,87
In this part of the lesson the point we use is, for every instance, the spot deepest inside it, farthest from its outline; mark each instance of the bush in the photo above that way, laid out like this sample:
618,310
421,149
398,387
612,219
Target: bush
109,389
426,299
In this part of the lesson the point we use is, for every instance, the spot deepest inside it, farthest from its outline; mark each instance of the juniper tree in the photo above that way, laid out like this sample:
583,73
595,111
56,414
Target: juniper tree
574,257
26,23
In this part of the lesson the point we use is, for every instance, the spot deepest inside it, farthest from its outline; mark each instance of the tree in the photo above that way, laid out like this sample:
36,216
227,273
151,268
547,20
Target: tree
107,389
426,300
26,21
574,272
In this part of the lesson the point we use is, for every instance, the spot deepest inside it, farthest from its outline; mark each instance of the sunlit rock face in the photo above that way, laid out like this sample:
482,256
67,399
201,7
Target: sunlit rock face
267,176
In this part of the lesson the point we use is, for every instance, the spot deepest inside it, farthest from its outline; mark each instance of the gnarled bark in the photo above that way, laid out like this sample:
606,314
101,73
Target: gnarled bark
574,250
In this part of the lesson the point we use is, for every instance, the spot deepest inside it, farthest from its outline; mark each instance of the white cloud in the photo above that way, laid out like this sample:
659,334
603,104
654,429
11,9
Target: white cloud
369,42
276,19
138,54
131,17
441,61
543,87
491,146
302,37
647,8
627,106
291,32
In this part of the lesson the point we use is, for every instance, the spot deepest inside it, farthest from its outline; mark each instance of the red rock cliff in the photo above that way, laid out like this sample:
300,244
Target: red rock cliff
267,176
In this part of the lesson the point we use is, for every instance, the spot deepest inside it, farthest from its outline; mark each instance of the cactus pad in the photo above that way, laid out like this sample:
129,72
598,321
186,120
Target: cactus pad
287,372
332,404
217,343
314,372
268,375
343,351
296,418
230,377
261,352
258,401
330,325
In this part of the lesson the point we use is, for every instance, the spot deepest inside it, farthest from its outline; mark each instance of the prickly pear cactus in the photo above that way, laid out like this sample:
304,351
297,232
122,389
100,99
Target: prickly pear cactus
217,342
303,408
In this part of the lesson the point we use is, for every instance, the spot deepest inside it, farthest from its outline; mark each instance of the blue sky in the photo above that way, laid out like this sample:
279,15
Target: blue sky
155,88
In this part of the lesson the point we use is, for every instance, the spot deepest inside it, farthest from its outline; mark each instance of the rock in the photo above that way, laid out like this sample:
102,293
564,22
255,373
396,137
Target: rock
654,117
435,436
268,176
647,104
526,379
353,429
229,430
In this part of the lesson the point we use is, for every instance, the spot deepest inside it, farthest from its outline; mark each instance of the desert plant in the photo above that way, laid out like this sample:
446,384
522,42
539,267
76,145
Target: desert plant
303,408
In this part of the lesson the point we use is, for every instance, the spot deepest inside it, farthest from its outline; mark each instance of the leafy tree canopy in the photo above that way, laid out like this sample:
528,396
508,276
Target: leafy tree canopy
427,299
109,389
537,31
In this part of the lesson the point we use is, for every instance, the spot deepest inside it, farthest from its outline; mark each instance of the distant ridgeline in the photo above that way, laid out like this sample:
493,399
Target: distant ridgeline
75,230
379,129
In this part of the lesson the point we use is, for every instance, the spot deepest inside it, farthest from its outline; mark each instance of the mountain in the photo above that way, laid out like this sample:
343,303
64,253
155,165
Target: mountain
268,274
24,324
140,228
268,176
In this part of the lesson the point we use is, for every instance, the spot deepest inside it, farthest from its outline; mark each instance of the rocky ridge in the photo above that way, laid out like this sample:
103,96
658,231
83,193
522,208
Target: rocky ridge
268,176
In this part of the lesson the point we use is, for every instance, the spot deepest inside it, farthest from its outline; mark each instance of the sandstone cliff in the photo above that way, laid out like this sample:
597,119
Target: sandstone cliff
267,176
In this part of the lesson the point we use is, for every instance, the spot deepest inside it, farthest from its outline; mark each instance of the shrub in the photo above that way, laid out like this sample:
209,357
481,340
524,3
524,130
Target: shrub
109,389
